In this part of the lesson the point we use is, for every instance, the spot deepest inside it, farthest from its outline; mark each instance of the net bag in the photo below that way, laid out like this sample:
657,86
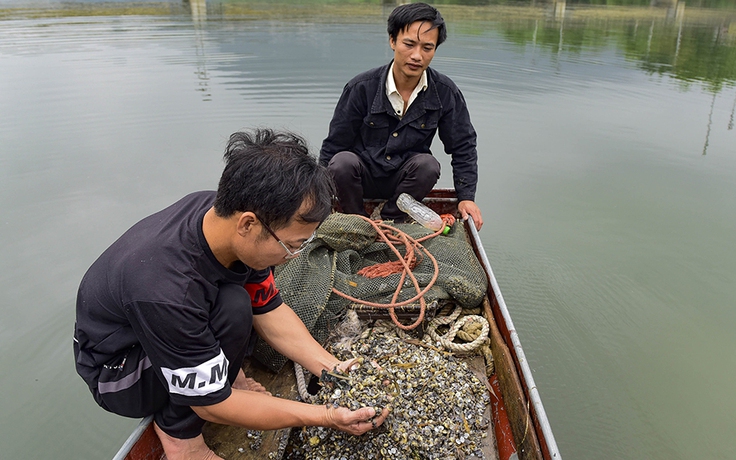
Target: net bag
347,243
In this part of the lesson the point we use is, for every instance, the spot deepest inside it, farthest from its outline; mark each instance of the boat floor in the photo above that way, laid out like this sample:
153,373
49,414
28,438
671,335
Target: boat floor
230,442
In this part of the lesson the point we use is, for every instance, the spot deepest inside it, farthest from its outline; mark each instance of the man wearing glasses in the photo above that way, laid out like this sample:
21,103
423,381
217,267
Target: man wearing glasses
166,314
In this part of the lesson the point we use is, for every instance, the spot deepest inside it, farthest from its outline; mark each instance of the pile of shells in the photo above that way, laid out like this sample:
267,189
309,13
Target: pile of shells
439,408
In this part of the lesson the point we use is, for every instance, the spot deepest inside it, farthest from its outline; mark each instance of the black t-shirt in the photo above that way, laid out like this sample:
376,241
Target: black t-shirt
155,286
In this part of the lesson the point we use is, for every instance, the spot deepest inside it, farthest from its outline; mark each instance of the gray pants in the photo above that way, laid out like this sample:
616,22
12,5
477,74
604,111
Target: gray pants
416,177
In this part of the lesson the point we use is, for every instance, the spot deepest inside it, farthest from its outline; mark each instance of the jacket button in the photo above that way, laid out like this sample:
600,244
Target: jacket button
422,125
395,134
388,157
371,123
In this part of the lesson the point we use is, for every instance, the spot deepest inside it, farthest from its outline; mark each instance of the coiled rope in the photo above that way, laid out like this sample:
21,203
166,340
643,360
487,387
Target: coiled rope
446,340
405,263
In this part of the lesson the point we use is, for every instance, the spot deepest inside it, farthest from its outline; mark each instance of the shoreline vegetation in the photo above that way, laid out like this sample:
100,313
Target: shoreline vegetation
365,11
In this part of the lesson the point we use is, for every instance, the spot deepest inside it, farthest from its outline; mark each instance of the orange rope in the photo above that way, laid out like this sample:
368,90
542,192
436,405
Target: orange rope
396,266
405,264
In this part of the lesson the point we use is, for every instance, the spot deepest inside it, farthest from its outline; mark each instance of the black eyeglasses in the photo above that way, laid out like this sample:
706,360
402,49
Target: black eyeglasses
289,253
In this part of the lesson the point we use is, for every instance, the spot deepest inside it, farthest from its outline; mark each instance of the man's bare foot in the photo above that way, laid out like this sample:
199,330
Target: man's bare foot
184,449
246,383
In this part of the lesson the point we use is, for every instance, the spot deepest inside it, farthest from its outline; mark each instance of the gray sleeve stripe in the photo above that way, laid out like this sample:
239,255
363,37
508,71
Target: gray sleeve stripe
127,381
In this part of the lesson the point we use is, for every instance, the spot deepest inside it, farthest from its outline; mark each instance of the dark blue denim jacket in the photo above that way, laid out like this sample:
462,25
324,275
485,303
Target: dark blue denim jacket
365,123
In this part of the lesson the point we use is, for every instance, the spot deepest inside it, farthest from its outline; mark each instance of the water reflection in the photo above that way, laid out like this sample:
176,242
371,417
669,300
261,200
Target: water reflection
664,37
692,44
199,18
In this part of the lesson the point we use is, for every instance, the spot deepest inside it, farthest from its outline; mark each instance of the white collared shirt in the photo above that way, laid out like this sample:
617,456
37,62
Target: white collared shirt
397,102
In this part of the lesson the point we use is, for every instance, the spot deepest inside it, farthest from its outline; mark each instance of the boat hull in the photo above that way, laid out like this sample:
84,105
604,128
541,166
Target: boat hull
520,422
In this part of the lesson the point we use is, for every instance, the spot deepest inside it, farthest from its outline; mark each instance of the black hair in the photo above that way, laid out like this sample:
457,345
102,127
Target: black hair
404,15
272,174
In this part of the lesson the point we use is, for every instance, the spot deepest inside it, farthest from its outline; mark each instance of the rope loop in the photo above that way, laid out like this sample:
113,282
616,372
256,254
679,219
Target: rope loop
301,385
446,340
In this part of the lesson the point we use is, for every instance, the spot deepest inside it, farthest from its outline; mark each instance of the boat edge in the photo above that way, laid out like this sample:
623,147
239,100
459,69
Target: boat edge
133,438
527,378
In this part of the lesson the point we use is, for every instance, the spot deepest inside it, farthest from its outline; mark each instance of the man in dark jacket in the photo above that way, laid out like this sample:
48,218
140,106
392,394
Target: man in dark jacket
380,135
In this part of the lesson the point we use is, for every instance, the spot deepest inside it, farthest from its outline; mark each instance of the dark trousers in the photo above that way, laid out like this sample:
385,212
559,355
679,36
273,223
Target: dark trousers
416,177
131,388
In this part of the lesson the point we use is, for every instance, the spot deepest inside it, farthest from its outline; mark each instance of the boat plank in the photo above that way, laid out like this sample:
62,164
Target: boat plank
512,393
146,447
477,365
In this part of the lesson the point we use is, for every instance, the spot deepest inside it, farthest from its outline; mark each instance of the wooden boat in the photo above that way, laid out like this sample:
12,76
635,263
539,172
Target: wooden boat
520,423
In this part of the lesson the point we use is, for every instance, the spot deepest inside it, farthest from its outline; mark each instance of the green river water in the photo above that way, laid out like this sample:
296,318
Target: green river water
608,186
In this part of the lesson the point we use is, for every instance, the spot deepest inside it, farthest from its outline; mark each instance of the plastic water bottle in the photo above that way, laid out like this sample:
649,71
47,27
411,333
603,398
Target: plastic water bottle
421,213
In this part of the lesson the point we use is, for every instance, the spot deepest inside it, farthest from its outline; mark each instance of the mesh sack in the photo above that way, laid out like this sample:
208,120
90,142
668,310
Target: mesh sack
461,277
347,243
